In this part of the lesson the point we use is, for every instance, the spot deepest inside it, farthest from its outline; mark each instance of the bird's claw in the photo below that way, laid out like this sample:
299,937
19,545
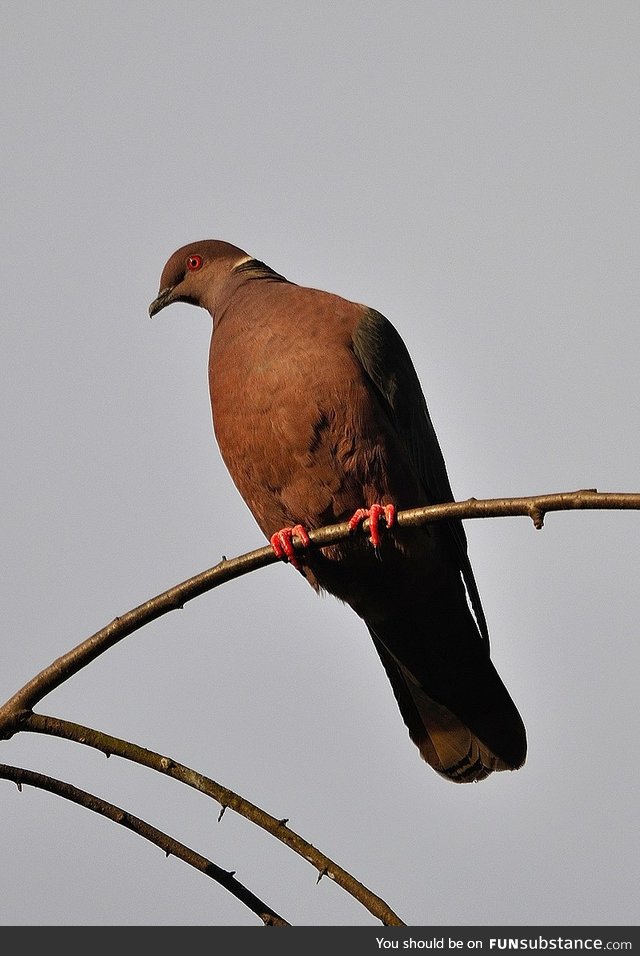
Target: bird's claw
282,543
374,514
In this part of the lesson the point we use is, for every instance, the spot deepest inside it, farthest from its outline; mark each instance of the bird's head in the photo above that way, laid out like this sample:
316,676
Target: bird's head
195,272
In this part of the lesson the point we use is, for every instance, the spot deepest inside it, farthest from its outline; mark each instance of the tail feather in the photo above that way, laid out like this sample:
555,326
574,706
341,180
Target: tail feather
467,747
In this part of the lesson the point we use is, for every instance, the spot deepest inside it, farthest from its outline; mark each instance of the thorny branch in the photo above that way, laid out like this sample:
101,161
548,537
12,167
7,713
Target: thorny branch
228,800
17,713
18,706
170,846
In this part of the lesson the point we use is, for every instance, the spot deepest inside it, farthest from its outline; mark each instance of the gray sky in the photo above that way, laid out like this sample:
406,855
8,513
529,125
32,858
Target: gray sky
469,169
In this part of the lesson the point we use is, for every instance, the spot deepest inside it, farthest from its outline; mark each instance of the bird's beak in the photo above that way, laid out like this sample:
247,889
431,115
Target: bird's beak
165,297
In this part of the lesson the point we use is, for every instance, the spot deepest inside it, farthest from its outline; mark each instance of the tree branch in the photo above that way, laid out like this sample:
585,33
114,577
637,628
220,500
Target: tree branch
170,846
17,714
56,727
18,707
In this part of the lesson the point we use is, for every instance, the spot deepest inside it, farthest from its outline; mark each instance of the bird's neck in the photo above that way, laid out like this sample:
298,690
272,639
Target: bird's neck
254,269
240,283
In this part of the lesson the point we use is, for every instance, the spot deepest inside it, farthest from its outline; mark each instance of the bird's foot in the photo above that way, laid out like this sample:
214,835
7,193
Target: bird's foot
282,543
374,514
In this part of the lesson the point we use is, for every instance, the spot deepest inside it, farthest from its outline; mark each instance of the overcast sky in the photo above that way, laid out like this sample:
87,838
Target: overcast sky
469,169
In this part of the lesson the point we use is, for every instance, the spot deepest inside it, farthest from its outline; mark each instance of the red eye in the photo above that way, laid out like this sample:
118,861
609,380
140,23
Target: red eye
194,263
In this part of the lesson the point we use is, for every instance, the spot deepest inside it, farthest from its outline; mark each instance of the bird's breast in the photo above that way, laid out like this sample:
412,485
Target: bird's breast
275,422
296,423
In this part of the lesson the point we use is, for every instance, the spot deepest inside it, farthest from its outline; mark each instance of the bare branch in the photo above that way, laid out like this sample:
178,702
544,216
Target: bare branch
534,507
16,713
170,846
279,828
18,707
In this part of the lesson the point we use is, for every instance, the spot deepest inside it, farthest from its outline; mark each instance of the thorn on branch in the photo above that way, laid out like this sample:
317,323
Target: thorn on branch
321,873
19,785
283,822
537,516
107,754
221,814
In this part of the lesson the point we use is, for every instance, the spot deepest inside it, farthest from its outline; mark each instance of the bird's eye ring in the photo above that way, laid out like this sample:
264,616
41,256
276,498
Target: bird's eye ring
194,263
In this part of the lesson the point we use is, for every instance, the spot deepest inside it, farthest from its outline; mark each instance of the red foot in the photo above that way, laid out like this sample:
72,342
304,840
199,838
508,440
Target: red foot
374,513
282,543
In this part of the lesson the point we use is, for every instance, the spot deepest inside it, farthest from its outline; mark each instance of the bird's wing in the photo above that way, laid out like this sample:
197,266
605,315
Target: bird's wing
387,362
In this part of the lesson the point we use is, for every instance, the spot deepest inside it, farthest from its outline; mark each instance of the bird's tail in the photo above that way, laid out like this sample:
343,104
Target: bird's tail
456,708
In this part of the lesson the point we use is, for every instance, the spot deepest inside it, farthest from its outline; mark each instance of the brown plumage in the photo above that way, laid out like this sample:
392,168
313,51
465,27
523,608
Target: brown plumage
318,412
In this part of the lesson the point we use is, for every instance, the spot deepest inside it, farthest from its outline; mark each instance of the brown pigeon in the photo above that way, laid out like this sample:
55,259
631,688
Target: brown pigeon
320,418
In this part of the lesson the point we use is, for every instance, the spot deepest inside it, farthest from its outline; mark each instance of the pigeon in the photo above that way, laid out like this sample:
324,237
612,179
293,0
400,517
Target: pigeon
320,418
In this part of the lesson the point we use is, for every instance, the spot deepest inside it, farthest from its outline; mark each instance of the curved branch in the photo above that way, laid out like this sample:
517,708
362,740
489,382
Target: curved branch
19,706
56,727
17,713
170,846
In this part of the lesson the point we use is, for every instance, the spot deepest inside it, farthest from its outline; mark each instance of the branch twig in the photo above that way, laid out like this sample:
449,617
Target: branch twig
17,713
170,846
18,707
53,726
